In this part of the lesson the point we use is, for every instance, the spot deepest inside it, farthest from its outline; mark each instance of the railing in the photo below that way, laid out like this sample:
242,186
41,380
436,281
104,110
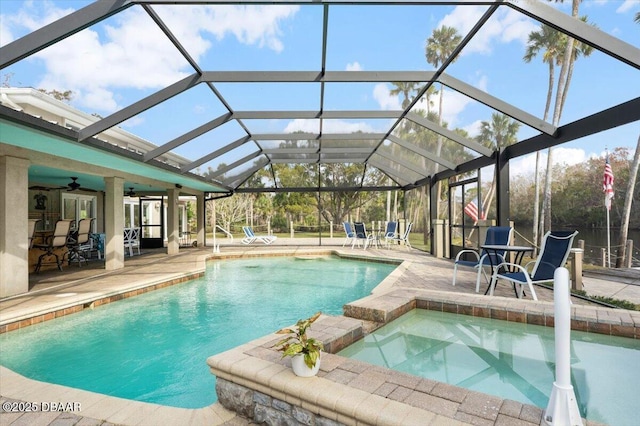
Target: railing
597,255
227,233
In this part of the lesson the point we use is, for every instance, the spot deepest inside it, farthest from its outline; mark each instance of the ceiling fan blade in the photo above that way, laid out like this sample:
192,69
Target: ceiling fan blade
74,185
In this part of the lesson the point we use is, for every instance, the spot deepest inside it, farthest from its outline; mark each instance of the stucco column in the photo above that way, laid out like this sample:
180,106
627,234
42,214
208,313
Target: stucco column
14,215
173,234
200,216
114,223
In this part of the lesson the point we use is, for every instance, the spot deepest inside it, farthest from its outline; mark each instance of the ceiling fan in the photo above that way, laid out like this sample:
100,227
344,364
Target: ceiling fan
131,193
73,186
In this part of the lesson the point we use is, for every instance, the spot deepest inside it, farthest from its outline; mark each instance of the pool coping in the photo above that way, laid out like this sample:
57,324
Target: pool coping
353,392
395,297
86,300
115,410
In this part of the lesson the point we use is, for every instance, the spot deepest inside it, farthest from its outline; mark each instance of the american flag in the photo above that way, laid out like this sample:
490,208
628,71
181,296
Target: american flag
607,183
471,210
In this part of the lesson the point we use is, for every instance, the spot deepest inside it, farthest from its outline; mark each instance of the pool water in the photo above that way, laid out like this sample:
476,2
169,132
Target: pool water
154,347
509,360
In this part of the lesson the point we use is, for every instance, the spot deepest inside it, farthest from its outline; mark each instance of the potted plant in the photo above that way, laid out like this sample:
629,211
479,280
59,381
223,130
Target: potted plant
305,351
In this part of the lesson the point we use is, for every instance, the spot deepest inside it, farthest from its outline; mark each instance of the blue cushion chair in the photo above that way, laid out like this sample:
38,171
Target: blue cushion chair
350,235
496,235
556,246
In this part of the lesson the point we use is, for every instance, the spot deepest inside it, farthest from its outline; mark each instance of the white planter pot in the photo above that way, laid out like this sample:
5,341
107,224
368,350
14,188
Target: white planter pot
300,368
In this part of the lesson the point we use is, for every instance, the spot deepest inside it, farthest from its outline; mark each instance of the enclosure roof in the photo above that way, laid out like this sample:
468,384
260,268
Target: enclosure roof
263,106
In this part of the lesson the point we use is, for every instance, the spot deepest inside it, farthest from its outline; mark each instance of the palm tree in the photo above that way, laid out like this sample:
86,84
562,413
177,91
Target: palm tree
626,214
637,18
554,44
407,88
567,58
579,49
438,49
546,40
502,131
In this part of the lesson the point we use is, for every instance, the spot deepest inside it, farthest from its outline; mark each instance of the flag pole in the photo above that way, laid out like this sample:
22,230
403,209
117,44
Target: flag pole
608,242
607,186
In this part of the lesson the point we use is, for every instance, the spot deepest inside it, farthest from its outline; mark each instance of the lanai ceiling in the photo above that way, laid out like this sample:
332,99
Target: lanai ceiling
268,106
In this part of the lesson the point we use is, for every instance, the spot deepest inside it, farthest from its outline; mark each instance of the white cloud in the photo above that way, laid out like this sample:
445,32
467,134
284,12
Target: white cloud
329,126
131,52
354,66
133,122
29,18
526,165
385,99
6,36
482,83
249,24
473,129
452,105
302,125
506,25
626,6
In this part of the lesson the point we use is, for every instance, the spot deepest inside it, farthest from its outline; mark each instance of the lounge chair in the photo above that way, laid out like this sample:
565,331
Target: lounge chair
250,236
404,238
350,235
361,235
496,235
390,233
54,242
554,252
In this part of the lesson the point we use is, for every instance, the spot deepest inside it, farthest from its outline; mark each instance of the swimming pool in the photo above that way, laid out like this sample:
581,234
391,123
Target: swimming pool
154,347
510,360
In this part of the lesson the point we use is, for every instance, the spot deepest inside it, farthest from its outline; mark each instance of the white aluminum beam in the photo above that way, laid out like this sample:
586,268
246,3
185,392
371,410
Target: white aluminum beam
180,140
449,134
582,31
217,153
138,107
59,30
422,152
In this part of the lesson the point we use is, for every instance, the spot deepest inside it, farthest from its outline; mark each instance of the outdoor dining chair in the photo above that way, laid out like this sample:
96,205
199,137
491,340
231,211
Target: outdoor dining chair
32,230
132,240
390,233
361,235
554,252
496,235
350,235
79,242
404,238
56,241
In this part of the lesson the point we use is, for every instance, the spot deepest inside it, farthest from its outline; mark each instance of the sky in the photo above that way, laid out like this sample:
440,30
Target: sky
125,58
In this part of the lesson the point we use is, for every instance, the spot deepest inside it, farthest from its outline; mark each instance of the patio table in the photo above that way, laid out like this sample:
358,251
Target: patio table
519,254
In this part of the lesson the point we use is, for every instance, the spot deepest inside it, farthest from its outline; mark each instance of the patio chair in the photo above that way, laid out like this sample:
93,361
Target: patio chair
390,233
79,242
350,235
32,230
361,235
56,241
496,235
132,240
554,252
404,238
250,236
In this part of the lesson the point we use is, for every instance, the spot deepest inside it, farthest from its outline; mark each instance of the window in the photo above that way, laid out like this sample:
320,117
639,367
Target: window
76,207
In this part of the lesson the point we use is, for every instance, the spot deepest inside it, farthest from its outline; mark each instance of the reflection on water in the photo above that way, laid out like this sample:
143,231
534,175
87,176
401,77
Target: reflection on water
154,347
510,360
